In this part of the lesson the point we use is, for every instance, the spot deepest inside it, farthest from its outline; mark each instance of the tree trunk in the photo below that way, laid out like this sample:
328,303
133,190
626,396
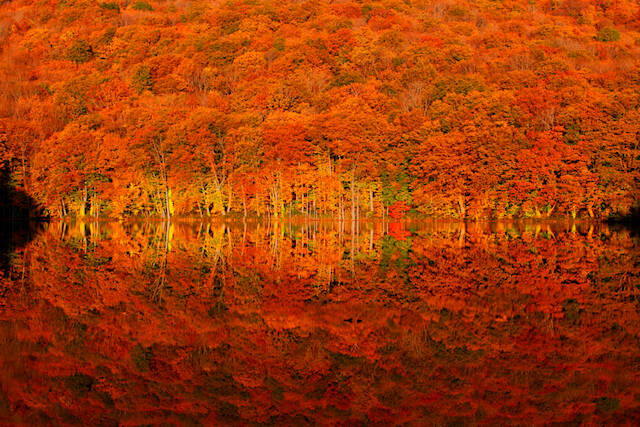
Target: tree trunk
358,206
167,199
371,201
461,205
85,197
95,207
353,195
551,210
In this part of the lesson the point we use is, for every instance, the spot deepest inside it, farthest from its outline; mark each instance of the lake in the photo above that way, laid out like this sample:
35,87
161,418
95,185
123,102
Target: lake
320,323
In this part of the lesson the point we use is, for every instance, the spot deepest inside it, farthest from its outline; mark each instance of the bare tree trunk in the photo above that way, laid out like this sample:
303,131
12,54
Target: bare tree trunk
353,248
358,208
166,197
551,210
371,201
353,194
461,205
203,190
85,198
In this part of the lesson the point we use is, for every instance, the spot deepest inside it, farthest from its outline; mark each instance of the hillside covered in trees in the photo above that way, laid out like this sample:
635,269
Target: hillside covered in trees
483,109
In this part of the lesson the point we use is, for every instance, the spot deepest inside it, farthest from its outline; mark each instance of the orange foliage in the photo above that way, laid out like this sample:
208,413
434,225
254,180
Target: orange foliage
458,109
132,323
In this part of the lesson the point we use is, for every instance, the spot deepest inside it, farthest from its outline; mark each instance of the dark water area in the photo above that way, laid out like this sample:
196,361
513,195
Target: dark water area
310,323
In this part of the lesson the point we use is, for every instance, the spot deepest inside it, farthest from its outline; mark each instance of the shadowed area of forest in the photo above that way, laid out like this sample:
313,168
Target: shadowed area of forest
16,210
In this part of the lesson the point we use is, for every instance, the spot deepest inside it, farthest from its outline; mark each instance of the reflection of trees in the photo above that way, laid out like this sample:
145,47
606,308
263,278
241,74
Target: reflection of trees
309,321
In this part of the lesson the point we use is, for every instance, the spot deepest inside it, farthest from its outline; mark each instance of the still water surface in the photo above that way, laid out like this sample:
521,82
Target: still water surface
295,324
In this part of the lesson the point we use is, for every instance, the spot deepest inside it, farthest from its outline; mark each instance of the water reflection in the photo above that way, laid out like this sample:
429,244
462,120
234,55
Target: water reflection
311,323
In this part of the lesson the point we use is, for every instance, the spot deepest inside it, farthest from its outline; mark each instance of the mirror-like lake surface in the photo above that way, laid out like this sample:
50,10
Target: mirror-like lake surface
294,324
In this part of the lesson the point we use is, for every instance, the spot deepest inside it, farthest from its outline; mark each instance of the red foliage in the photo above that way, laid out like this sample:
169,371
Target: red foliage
220,324
398,209
154,108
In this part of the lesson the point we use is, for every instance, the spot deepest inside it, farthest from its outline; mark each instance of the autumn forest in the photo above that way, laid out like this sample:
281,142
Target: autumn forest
345,109
319,212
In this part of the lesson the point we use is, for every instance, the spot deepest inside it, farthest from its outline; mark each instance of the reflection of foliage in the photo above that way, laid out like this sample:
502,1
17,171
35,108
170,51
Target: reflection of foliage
607,404
571,310
394,250
79,384
141,358
429,330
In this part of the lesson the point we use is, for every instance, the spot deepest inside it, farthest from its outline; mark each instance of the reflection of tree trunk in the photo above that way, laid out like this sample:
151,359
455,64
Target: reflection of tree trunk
83,231
353,248
371,239
160,281
244,205
463,232
63,230
244,235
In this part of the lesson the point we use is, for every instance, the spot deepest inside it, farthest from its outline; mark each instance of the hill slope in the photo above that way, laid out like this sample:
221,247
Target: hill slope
476,109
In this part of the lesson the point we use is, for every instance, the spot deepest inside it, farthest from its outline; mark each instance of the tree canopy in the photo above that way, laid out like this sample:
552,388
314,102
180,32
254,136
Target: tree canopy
484,109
